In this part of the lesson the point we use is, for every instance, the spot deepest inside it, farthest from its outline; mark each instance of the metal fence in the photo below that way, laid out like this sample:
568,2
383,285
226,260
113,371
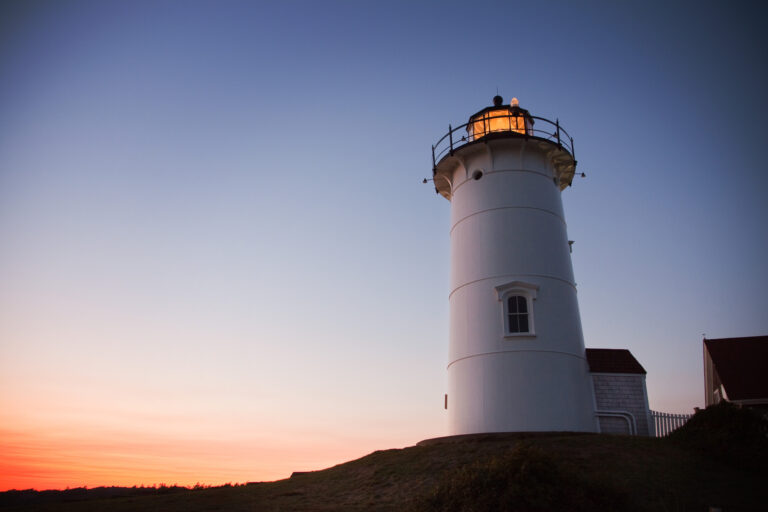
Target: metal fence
664,423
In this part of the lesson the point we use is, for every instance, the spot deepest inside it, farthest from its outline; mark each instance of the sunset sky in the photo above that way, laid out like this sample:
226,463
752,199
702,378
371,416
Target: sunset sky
218,262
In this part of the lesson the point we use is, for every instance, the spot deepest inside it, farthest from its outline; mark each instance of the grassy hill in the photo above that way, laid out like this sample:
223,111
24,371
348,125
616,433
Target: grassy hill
725,468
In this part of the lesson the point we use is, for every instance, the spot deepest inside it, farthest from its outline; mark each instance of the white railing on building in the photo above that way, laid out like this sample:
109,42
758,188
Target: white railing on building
664,423
625,415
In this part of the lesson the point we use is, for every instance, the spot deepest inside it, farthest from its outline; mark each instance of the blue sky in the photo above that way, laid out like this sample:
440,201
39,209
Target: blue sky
215,210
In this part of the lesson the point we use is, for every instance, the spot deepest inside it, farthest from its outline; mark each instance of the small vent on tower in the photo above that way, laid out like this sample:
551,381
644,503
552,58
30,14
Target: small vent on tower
477,174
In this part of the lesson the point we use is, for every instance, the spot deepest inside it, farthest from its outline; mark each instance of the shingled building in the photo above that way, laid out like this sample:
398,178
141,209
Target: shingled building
621,398
736,370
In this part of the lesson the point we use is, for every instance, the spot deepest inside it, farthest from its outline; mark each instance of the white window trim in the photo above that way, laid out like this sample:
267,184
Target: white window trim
527,290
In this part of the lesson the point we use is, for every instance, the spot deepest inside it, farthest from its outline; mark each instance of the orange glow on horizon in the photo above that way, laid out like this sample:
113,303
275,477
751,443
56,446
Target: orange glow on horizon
44,460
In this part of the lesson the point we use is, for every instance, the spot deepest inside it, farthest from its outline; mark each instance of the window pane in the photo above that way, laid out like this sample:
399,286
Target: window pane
522,323
512,305
518,124
498,121
513,327
522,304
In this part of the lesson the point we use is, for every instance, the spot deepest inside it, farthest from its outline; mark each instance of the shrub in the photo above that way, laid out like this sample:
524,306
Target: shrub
732,435
524,479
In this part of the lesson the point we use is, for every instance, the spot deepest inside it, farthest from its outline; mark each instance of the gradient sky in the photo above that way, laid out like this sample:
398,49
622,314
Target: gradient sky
217,259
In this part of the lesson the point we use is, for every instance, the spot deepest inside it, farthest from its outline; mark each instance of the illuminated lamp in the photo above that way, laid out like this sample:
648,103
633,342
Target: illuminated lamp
500,118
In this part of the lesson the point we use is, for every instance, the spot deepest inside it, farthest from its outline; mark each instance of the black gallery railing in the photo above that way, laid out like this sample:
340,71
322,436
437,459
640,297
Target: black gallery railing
545,130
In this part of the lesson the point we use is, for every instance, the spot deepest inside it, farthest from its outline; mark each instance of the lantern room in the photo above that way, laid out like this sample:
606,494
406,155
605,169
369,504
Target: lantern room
496,126
500,118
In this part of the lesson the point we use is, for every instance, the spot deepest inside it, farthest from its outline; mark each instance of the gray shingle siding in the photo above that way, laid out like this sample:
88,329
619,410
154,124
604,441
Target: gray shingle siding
621,392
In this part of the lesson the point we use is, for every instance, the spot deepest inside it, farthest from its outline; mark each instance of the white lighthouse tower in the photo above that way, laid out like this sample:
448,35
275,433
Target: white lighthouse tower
516,358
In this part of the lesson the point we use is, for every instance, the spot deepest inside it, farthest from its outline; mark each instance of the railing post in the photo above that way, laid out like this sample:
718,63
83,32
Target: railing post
557,124
525,128
450,137
434,164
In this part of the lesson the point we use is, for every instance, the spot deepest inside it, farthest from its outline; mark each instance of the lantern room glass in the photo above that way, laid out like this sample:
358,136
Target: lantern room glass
498,120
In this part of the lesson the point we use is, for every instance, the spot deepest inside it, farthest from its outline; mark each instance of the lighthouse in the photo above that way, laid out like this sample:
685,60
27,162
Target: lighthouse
516,351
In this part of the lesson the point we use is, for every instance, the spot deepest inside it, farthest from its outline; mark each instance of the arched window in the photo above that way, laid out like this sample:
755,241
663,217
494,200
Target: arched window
517,314
517,308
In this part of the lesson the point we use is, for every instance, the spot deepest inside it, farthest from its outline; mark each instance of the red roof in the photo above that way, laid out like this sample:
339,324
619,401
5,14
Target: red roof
613,360
742,365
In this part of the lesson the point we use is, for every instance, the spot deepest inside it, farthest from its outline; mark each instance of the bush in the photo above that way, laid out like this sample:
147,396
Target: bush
729,434
524,479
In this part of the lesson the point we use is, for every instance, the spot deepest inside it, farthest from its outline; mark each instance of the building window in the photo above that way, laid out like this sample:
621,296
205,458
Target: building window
517,314
517,308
